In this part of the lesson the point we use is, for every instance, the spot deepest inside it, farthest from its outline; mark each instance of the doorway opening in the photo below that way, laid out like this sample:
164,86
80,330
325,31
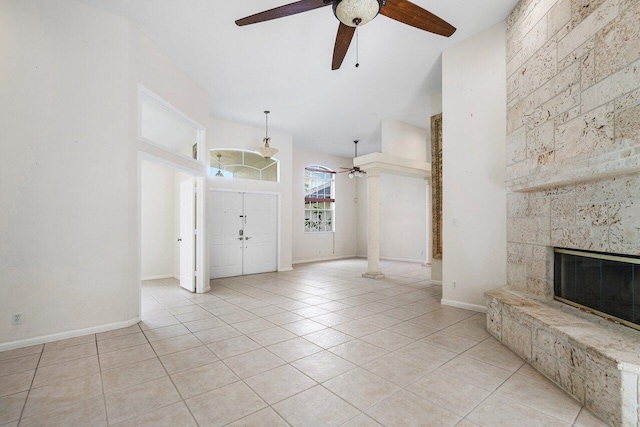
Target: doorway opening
243,233
170,220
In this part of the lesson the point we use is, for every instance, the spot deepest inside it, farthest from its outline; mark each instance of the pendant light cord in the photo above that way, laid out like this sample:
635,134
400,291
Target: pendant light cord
266,127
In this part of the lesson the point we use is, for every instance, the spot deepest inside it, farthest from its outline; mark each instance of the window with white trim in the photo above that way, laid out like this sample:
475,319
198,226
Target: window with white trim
319,199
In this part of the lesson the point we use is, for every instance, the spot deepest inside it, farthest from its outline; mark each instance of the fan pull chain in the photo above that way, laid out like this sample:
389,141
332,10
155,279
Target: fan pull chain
357,47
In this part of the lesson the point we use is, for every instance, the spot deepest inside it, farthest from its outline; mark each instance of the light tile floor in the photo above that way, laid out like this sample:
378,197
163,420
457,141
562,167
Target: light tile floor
317,346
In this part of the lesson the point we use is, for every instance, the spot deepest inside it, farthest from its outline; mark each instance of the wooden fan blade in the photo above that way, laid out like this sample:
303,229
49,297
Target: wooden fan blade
343,40
282,11
408,13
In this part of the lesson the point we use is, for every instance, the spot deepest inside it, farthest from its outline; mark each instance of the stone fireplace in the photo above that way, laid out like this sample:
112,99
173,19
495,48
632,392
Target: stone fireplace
594,359
573,182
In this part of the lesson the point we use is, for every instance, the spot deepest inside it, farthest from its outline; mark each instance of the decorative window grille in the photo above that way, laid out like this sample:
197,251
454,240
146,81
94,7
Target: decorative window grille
242,164
319,199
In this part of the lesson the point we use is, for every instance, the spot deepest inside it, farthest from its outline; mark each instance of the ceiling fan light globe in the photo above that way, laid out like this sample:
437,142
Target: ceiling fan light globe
356,13
351,175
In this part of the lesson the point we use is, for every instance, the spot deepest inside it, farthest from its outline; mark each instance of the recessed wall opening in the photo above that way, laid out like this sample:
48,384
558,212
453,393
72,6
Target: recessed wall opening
605,284
170,253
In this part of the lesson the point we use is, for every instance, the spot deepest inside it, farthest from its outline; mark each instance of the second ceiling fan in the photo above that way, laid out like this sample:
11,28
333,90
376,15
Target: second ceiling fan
354,171
355,13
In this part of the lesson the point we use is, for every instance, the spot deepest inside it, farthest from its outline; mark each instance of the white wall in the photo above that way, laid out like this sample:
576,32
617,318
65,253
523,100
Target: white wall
403,217
474,214
404,228
319,246
404,140
69,194
224,134
158,221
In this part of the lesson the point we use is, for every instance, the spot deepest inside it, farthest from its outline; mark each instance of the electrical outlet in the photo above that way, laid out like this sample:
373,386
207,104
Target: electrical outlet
16,318
455,285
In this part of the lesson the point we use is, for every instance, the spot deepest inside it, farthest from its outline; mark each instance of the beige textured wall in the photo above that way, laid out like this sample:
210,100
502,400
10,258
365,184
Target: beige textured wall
573,124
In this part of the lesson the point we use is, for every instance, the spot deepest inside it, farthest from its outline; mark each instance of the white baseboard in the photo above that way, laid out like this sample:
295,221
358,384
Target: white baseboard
167,276
307,261
464,305
65,335
285,269
386,258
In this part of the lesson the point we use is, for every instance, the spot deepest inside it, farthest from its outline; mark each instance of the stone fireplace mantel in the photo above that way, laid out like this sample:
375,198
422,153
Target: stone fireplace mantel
611,165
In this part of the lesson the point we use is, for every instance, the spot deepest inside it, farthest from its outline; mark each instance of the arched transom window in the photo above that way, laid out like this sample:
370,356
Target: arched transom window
243,164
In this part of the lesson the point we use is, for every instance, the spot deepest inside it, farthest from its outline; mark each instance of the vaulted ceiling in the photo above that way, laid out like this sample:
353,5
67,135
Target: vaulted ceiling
285,65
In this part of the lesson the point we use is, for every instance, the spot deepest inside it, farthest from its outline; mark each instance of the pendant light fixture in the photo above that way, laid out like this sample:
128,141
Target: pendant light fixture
219,173
266,151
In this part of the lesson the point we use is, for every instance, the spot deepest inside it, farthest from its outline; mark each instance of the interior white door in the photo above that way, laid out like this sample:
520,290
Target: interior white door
260,233
188,234
226,223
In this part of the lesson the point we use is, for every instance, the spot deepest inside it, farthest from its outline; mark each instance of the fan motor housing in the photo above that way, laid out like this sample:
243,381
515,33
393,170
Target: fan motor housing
354,13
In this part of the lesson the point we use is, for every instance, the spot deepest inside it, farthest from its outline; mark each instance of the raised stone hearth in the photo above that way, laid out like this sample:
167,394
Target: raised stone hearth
595,360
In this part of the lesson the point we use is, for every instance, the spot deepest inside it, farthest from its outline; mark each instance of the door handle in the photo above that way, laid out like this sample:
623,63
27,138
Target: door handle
179,240
247,238
240,238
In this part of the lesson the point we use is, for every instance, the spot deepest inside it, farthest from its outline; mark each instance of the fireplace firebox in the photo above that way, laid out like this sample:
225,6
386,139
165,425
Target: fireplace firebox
604,284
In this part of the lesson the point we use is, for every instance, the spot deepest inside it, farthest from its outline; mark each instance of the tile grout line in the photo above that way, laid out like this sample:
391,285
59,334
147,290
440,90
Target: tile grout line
104,396
24,405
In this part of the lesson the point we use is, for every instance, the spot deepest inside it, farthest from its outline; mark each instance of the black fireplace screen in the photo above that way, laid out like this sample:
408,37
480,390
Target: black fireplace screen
607,284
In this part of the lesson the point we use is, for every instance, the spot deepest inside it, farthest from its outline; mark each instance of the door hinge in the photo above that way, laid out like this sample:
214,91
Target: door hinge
195,274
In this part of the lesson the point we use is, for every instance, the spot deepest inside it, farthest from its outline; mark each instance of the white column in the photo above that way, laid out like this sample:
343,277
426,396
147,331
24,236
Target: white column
427,251
373,225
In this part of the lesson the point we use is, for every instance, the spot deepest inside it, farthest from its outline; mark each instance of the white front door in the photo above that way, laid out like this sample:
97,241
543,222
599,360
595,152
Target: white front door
188,234
243,233
260,233
226,245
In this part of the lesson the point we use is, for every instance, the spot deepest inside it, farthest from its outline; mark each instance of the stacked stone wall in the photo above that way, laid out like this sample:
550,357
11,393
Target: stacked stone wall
573,124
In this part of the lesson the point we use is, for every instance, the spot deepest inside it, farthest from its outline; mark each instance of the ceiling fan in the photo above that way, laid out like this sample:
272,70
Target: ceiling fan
354,171
355,13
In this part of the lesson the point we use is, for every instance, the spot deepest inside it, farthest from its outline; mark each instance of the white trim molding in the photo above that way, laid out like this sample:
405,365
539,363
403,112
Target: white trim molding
393,164
66,335
464,305
411,260
332,258
167,276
